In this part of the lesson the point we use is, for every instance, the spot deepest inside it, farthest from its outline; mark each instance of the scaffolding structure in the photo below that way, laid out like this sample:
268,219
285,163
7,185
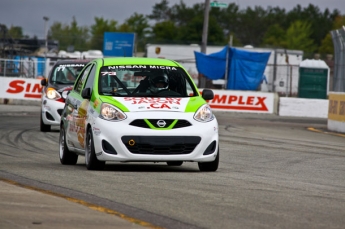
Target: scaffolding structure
338,37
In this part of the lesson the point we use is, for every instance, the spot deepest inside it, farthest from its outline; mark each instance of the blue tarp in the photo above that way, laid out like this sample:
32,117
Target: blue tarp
245,68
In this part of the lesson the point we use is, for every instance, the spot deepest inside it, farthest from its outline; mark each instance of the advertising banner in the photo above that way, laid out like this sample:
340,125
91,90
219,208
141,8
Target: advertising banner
118,44
243,101
336,106
20,88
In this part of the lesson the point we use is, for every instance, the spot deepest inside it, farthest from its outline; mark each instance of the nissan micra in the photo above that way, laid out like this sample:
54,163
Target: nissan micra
60,80
138,110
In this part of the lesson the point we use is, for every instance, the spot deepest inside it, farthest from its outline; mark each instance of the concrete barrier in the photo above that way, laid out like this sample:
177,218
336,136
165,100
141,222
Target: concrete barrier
299,107
336,112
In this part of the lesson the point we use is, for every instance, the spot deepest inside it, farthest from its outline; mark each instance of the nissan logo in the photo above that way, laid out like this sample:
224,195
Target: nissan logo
161,123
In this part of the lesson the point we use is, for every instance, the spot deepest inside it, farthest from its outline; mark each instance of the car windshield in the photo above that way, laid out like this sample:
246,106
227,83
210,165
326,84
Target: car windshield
145,81
65,73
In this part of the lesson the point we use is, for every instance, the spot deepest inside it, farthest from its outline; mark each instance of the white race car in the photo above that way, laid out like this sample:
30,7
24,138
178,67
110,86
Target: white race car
138,110
61,79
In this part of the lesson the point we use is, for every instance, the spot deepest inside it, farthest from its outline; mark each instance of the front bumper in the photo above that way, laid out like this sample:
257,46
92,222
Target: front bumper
120,141
51,111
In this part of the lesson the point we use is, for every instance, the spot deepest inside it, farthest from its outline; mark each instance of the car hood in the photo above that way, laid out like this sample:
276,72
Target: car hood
141,104
61,87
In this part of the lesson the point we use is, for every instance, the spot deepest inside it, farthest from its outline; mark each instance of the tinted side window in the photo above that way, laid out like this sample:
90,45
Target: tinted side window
90,79
81,80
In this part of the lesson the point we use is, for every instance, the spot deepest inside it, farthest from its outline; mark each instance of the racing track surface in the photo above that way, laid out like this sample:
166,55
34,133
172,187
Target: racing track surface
274,173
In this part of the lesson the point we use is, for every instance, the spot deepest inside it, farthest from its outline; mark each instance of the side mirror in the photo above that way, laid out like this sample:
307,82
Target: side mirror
65,94
207,94
86,93
44,82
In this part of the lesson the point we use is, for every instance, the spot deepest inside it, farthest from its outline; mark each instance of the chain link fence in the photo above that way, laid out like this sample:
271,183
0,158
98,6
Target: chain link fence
25,67
338,37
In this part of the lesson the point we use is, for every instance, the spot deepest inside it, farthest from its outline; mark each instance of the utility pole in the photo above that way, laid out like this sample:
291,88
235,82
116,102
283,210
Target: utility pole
205,27
46,45
46,19
202,79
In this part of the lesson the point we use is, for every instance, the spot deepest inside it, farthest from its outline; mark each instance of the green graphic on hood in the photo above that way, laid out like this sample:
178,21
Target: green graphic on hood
161,128
114,102
194,104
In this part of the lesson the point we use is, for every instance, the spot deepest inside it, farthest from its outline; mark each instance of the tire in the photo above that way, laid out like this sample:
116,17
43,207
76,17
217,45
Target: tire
91,161
209,166
66,157
44,127
174,163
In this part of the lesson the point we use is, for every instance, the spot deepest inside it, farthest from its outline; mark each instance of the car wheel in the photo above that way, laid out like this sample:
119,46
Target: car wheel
174,163
44,127
66,157
91,161
209,166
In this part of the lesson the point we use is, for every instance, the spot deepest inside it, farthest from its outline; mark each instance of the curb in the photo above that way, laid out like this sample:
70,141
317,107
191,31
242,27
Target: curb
326,132
20,102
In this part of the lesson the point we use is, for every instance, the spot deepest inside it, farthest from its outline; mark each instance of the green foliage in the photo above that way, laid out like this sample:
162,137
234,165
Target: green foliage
306,29
253,26
16,32
160,11
227,19
164,31
139,25
298,37
274,36
98,29
69,35
327,46
320,22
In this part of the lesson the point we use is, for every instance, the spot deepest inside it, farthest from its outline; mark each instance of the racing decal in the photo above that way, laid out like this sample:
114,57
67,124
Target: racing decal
117,67
154,103
126,66
21,88
108,73
163,67
80,121
242,101
96,103
63,66
77,119
96,131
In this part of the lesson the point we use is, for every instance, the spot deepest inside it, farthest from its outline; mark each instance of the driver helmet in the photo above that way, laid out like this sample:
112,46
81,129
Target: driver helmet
159,83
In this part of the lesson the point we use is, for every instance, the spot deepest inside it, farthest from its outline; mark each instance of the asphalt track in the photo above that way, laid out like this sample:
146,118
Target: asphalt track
25,206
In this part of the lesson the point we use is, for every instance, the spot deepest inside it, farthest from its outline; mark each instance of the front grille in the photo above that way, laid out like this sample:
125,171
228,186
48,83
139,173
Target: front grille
108,148
49,116
167,121
158,145
182,123
60,111
179,123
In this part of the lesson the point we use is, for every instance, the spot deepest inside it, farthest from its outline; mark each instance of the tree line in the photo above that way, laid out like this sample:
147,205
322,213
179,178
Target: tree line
307,29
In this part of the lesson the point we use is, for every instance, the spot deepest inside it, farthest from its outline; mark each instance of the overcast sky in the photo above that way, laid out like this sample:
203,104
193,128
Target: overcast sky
29,14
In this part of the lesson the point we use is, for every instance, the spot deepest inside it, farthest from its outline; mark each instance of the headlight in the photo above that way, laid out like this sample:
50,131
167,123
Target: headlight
111,113
53,94
204,114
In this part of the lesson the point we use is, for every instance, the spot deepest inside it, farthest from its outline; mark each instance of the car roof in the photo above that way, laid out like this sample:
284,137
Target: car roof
73,61
137,61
